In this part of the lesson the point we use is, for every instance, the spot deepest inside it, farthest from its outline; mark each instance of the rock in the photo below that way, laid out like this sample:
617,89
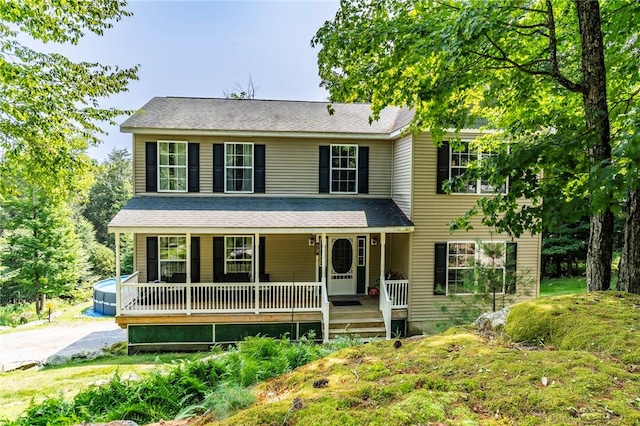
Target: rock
63,359
21,365
492,321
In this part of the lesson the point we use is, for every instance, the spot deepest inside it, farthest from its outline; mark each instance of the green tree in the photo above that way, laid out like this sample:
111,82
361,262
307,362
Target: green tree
49,105
40,246
558,79
112,188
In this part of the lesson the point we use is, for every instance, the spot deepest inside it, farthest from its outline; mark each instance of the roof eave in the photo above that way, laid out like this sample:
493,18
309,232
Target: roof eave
249,133
275,230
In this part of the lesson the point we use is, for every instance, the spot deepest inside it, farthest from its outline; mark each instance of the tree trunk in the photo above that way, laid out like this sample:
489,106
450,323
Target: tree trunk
597,120
629,268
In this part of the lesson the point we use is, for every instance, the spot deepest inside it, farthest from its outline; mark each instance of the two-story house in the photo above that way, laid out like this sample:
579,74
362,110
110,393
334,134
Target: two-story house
275,217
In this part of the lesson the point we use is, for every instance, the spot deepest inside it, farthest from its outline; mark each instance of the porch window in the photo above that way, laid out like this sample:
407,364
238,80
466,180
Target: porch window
238,254
238,167
172,165
344,169
173,259
460,160
465,258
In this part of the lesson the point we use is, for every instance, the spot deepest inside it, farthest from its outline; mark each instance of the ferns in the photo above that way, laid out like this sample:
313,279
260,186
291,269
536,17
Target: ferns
218,385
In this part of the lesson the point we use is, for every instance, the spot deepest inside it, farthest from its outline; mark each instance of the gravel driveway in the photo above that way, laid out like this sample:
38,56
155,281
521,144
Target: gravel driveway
49,339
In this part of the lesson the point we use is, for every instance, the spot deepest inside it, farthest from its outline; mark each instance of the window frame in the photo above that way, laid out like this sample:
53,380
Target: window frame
479,155
252,167
478,255
355,169
227,259
167,166
161,259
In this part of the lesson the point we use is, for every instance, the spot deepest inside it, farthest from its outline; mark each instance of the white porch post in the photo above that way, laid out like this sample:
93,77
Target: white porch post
324,262
256,272
188,273
383,256
118,279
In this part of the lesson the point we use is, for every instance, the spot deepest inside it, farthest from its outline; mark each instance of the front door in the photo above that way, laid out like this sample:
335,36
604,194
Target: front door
342,266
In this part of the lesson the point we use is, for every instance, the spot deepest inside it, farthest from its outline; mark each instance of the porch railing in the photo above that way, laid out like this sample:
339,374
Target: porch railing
398,291
385,308
165,298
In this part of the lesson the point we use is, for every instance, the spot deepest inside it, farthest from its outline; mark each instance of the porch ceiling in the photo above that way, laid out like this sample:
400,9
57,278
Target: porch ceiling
222,214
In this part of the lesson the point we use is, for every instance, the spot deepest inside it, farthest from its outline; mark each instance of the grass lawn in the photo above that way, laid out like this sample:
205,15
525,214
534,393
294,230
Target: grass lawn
566,285
19,388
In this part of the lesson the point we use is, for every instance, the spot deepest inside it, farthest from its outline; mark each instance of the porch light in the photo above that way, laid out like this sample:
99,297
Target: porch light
374,241
312,241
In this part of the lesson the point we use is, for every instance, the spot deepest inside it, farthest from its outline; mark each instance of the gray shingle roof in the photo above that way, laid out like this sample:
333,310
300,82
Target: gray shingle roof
258,212
211,114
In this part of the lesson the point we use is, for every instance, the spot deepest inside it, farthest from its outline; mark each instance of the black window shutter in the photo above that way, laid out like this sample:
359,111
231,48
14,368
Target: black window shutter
151,166
263,256
511,261
259,185
195,259
443,166
194,167
363,170
323,182
440,281
218,167
152,259
218,258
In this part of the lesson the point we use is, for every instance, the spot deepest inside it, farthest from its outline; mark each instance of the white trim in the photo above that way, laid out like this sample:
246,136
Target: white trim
240,231
251,244
186,166
331,191
254,134
253,168
477,252
478,155
160,260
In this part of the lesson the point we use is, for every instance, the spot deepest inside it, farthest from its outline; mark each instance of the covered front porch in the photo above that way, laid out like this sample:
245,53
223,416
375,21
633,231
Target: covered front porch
260,275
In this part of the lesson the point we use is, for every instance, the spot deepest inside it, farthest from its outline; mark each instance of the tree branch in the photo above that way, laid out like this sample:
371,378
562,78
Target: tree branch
553,54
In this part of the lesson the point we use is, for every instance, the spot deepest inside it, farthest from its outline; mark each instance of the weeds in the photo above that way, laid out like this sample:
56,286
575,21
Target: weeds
217,386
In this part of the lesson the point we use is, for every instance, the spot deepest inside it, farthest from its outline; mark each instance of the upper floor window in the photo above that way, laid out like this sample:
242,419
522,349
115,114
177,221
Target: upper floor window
238,254
172,166
344,169
459,162
238,167
173,259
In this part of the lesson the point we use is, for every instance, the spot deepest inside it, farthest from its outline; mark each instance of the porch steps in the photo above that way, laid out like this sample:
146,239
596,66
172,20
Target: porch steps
364,323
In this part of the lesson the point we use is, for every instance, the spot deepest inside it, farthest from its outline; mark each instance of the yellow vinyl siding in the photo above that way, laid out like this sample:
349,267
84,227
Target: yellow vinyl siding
431,214
401,179
290,258
398,250
291,164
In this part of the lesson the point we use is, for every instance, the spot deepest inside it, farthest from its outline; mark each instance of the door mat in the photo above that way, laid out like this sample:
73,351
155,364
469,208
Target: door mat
346,302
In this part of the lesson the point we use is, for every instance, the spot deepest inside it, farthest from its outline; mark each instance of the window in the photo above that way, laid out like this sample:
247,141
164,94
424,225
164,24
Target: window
173,259
238,254
465,260
344,169
460,160
172,163
238,167
362,251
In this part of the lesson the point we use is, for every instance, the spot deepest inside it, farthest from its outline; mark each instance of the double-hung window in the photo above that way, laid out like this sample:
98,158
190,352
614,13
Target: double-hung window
460,161
173,258
172,166
466,260
238,167
238,254
344,169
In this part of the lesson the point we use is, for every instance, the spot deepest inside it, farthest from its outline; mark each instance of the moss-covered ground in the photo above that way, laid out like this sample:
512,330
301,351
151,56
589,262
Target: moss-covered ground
569,360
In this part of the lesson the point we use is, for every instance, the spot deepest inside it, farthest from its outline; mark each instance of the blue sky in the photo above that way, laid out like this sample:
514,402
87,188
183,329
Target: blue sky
202,48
